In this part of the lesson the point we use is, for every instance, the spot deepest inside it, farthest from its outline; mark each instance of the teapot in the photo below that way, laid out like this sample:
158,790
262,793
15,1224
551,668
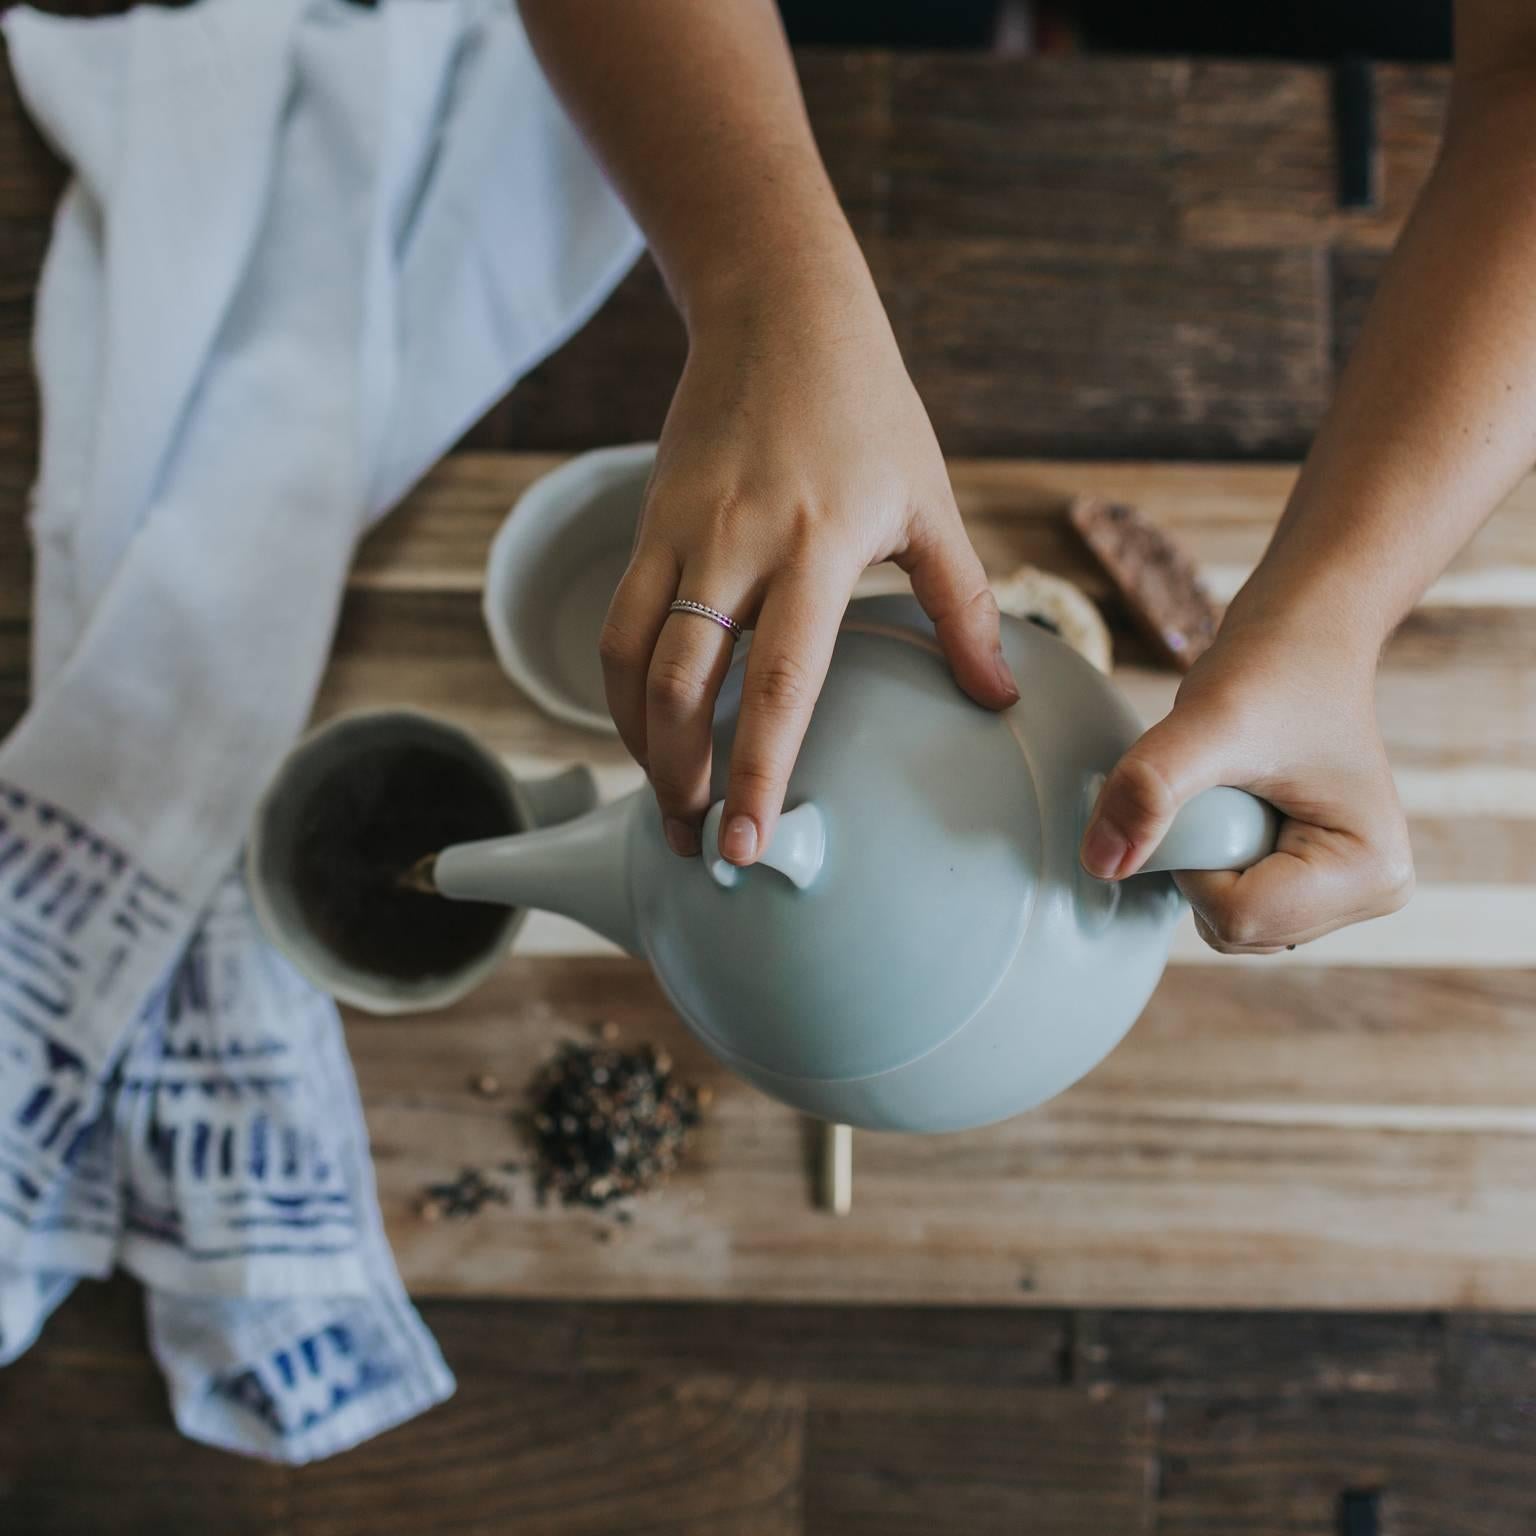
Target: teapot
919,948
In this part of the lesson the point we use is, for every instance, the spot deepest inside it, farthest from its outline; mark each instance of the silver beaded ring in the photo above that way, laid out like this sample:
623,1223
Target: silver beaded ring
704,611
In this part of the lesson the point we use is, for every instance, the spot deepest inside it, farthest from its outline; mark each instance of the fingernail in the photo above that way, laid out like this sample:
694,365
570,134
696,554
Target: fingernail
1104,850
681,838
740,840
1004,674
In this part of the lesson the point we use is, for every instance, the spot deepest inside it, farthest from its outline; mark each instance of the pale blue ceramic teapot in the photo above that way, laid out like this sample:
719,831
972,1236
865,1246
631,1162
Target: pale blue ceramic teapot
920,949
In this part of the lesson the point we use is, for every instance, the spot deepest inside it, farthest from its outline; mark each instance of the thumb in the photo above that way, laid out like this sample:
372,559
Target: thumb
1170,764
949,582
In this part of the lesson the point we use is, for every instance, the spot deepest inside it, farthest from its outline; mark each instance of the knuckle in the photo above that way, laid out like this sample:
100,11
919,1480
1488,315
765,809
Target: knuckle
985,603
1222,946
1235,926
670,791
965,595
619,648
1397,882
804,531
754,781
807,543
673,689
726,516
778,684
1139,792
973,606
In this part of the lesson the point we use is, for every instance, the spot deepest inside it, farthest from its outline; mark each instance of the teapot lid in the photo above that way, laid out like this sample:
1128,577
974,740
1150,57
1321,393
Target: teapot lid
928,868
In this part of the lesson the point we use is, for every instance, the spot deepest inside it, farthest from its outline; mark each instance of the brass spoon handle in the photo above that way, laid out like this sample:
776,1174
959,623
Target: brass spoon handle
837,1168
419,877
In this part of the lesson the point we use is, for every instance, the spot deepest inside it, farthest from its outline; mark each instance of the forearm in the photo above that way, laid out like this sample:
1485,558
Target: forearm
1435,417
693,108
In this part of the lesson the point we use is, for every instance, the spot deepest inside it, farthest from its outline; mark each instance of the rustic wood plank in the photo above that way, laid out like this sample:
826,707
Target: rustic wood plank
612,1418
1280,1466
552,1455
1168,353
1013,508
1261,1354
99,1326
909,1461
1064,152
987,1346
1305,1138
1257,160
1089,203
94,1449
1492,1357
983,1346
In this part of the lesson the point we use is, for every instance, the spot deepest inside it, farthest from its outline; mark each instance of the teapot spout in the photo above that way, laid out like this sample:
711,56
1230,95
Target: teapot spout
578,869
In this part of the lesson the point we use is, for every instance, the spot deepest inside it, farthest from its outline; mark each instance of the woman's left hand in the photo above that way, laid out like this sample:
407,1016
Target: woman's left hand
795,454
1289,715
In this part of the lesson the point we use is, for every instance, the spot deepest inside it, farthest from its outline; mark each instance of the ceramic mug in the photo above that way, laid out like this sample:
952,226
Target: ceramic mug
349,748
552,571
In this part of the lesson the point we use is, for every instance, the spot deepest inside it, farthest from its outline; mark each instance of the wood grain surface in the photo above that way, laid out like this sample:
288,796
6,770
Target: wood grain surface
635,1419
1350,1125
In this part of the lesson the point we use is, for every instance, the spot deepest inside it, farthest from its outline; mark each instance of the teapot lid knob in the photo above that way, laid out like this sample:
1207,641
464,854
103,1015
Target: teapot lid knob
798,846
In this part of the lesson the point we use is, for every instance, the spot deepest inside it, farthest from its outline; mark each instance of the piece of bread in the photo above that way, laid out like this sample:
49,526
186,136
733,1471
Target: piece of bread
1059,606
1157,579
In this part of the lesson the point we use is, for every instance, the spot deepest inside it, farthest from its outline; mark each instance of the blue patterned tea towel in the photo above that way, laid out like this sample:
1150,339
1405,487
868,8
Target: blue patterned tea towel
305,244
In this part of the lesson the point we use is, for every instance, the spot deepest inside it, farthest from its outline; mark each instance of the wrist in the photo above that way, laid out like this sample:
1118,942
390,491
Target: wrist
1320,585
1311,621
774,281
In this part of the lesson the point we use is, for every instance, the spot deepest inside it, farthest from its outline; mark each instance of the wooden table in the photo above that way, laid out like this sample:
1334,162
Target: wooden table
1351,1125
1084,260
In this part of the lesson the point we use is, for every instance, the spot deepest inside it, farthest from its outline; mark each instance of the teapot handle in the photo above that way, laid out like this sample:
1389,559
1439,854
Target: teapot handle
1219,829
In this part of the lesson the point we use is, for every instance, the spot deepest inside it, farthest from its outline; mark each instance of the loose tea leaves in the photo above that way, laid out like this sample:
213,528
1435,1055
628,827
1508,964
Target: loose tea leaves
607,1123
466,1195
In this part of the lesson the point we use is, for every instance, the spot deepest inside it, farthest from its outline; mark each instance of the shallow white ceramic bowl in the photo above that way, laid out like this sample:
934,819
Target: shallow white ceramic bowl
552,571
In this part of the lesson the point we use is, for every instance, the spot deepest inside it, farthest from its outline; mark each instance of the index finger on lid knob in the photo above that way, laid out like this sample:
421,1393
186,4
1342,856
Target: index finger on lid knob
791,651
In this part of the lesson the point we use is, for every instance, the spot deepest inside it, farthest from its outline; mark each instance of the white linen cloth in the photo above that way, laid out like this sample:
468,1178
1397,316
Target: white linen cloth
304,246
